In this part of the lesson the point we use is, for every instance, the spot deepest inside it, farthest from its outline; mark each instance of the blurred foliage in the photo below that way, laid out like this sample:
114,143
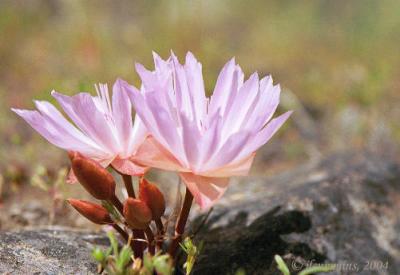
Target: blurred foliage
330,54
115,261
192,251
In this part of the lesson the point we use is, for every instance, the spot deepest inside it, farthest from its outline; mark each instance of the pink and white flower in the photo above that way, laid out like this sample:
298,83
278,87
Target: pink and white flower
103,129
207,140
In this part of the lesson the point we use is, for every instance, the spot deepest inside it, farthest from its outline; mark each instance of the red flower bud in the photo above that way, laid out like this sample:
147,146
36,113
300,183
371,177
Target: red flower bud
137,213
92,211
152,196
93,177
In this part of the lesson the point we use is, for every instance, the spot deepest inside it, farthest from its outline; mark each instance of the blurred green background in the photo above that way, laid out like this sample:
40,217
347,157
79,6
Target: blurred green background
338,62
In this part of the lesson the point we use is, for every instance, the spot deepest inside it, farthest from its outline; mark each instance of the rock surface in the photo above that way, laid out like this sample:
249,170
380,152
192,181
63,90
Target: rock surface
48,251
343,210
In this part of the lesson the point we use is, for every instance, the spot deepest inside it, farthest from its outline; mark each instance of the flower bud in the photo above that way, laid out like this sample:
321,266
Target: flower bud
92,211
93,177
152,196
137,213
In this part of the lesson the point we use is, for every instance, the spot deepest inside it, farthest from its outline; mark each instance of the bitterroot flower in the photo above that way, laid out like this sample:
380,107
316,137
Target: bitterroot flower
103,129
207,140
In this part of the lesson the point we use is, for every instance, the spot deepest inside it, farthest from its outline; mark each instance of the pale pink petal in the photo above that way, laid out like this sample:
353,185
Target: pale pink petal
122,113
263,107
139,134
191,142
152,81
194,77
240,168
153,154
127,167
235,144
223,88
83,111
64,127
264,135
147,117
205,190
237,109
54,132
263,112
227,107
166,127
138,100
183,100
159,63
211,139
148,78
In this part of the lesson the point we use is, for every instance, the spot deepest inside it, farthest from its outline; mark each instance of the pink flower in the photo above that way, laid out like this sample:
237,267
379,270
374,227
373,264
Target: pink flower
103,129
207,140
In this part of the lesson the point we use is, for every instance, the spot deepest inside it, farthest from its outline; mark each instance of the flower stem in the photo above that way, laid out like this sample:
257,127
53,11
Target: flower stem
150,239
128,185
138,245
160,233
121,231
180,225
117,203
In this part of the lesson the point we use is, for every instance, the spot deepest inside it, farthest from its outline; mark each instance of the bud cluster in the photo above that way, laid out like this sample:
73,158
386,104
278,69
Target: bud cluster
137,213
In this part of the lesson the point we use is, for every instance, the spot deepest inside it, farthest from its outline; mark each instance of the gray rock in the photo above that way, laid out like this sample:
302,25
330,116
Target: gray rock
48,251
343,210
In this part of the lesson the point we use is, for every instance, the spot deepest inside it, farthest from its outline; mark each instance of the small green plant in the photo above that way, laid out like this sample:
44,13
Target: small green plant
114,261
192,252
240,271
281,265
161,263
308,271
318,269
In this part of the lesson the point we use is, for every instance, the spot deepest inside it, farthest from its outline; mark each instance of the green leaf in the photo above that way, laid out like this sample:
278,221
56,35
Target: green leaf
116,216
240,271
163,264
192,252
281,265
108,252
148,262
114,242
124,257
184,248
98,255
318,268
